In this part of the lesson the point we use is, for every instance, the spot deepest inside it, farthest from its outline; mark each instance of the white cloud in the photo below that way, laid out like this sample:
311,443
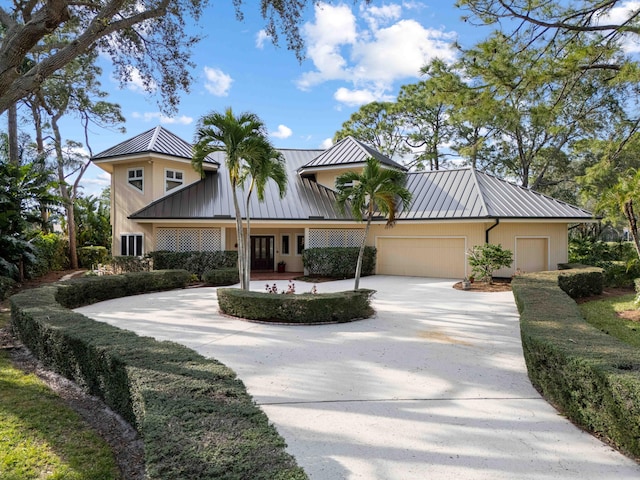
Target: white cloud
261,37
164,120
618,15
355,98
326,143
217,82
137,84
371,55
282,132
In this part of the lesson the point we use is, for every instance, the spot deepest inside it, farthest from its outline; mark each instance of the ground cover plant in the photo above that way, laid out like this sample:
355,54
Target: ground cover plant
40,437
617,316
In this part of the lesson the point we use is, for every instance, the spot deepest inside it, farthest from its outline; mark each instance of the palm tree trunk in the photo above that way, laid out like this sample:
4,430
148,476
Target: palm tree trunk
240,240
247,254
361,253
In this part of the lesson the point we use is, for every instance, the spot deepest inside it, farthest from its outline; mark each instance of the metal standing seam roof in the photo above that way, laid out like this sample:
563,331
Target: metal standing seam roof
157,140
349,151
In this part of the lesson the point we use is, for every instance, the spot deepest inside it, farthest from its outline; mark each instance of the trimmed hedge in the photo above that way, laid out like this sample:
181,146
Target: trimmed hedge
89,257
7,285
338,262
305,308
222,277
591,377
194,415
195,262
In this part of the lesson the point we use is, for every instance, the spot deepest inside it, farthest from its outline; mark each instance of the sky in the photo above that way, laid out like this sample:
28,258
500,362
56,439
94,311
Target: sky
355,53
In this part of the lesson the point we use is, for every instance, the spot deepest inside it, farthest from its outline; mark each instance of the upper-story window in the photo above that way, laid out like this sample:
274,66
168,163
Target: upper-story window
173,179
135,177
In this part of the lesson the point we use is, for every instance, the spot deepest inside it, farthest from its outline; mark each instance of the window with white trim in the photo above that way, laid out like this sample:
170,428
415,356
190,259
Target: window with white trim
299,244
135,177
173,179
284,248
131,245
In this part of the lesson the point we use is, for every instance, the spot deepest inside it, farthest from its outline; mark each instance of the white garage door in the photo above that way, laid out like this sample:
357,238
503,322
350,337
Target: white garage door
422,257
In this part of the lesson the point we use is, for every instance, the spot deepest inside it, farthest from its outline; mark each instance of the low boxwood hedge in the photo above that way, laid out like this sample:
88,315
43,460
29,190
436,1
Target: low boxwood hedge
591,377
305,308
194,415
222,277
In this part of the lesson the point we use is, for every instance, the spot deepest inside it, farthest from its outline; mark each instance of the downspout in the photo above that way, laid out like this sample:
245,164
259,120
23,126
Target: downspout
486,232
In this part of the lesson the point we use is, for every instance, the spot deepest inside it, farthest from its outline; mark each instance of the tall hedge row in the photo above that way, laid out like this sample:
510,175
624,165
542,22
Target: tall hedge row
592,377
194,415
338,262
194,262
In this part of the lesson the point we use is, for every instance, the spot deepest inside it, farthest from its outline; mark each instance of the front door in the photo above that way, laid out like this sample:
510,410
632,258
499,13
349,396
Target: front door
262,253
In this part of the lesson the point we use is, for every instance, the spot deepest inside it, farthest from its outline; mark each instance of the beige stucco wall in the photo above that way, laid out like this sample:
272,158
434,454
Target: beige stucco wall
126,199
328,177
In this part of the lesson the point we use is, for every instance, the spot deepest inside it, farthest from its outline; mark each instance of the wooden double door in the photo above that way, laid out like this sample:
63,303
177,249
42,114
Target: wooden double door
262,252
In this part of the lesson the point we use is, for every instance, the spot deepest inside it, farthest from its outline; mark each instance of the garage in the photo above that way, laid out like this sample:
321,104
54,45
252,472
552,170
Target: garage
532,254
439,257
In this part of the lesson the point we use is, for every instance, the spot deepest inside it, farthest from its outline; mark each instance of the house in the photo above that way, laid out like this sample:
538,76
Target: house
160,203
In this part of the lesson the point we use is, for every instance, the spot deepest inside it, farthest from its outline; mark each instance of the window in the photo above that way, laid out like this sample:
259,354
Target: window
173,179
284,249
135,177
299,244
131,244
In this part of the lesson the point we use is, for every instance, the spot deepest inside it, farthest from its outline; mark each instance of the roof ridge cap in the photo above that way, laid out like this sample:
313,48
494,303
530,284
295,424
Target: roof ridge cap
154,137
474,176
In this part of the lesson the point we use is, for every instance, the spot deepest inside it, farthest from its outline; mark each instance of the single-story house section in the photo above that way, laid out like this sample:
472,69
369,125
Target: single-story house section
158,202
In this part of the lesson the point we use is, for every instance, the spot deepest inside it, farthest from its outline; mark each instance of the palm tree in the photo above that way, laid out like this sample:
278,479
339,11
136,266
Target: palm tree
374,190
248,155
267,163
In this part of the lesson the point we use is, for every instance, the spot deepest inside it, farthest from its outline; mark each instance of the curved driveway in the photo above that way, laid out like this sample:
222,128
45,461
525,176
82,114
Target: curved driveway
433,387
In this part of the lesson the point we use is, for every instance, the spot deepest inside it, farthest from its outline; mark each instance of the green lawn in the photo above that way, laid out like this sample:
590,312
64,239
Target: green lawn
602,314
41,438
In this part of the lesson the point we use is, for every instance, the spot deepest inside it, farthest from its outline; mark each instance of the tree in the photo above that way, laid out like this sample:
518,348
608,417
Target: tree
92,220
243,139
486,259
375,190
148,38
621,198
379,125
266,164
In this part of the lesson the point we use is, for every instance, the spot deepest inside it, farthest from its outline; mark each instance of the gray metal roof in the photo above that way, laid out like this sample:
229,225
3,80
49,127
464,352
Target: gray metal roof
469,194
346,152
211,197
157,140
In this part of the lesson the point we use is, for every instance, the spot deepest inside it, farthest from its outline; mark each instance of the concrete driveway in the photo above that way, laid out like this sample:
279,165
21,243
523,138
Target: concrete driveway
433,387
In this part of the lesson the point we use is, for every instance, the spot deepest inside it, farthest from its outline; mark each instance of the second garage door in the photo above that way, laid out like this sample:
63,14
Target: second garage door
422,256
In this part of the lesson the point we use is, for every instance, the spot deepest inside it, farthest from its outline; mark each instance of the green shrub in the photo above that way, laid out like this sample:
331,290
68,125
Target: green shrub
591,377
195,262
296,308
581,282
87,290
52,253
222,277
129,264
486,259
89,257
193,414
6,287
338,262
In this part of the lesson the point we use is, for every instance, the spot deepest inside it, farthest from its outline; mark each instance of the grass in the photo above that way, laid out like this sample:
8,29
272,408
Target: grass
602,314
40,437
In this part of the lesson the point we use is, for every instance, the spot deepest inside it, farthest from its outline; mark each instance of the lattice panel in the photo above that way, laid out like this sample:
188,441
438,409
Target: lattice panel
321,238
167,239
210,239
188,240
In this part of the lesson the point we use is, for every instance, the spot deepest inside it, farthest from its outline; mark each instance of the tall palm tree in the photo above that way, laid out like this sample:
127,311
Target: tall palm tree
243,139
376,189
267,163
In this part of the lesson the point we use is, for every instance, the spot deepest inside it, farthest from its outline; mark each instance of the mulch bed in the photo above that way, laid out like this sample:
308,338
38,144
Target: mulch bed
498,285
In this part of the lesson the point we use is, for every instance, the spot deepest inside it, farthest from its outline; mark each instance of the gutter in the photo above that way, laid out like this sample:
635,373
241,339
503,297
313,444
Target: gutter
486,232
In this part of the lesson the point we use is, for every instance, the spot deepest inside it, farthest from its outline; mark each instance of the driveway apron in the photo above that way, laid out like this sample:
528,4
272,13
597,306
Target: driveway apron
433,387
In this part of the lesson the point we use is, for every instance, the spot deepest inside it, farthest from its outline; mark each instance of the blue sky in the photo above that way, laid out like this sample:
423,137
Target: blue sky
355,53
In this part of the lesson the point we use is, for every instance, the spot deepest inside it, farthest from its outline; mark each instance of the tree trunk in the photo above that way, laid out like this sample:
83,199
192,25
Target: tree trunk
240,240
12,126
361,253
633,225
247,243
